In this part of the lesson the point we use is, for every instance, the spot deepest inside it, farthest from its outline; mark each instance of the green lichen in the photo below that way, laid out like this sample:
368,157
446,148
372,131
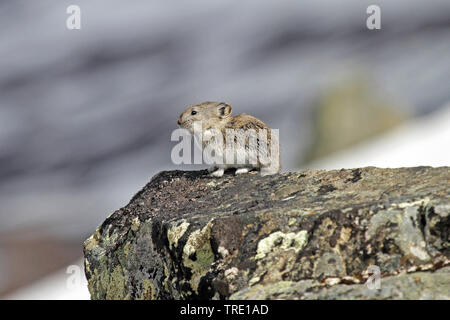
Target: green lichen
93,284
135,224
92,241
198,244
116,285
175,233
283,241
253,280
122,253
166,281
98,273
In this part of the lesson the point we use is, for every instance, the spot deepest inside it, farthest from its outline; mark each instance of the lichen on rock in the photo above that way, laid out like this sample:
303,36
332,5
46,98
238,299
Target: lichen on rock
300,235
283,241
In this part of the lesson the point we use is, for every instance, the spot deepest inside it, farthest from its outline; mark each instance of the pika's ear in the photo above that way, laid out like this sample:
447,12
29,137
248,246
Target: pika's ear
224,110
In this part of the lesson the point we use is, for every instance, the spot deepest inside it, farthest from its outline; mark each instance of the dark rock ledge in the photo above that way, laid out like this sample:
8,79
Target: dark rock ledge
299,235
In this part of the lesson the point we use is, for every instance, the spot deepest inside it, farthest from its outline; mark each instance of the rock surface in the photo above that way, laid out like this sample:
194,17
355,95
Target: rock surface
300,235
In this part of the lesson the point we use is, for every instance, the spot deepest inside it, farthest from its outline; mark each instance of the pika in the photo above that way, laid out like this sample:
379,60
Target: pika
212,122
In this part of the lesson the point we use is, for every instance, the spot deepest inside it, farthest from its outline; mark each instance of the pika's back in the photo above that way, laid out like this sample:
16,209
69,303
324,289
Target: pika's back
245,121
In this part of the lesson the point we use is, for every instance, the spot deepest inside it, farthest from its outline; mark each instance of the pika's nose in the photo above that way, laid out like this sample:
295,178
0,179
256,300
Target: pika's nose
179,122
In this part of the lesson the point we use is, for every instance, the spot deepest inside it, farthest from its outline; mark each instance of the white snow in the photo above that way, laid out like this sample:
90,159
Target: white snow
422,142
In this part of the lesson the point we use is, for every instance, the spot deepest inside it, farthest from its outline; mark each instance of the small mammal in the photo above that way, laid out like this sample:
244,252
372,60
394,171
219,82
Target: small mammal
216,117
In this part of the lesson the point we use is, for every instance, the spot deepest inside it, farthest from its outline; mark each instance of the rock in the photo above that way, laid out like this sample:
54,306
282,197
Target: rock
300,235
414,286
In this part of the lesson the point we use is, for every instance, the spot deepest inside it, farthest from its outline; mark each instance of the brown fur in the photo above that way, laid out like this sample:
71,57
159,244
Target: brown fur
217,115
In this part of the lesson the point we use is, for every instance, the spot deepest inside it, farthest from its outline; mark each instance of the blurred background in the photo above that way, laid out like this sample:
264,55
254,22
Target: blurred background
86,115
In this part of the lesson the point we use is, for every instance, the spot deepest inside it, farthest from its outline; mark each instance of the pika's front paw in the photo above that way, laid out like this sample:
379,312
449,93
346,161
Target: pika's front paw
218,173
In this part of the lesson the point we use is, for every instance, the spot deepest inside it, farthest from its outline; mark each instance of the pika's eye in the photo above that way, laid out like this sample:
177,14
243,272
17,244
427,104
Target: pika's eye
193,112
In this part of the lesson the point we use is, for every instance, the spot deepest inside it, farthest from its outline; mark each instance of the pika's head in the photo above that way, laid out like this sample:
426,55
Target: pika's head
204,112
